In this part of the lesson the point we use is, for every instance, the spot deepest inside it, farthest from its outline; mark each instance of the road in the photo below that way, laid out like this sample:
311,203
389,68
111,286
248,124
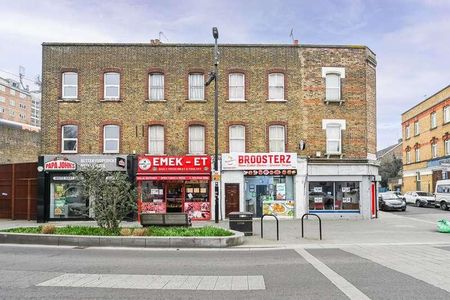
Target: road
292,271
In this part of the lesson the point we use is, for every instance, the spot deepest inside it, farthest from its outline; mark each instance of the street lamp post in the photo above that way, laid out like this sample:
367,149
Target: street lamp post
215,76
216,122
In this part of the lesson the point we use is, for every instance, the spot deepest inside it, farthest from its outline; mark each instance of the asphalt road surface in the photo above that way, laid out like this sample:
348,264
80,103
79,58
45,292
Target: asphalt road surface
38,272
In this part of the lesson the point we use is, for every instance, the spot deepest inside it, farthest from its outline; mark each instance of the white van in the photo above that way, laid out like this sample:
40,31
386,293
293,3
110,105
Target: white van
442,194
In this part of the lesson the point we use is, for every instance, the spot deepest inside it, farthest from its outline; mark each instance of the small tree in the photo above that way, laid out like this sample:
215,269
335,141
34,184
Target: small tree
112,196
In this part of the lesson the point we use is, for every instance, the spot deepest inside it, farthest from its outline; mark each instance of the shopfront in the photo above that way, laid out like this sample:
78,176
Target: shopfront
342,189
168,184
59,196
262,183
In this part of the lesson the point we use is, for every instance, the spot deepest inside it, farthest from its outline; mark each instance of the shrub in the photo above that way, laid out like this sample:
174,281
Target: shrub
48,229
125,232
112,196
139,232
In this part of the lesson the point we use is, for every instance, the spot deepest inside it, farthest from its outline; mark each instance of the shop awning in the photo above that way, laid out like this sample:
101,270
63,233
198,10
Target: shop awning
173,177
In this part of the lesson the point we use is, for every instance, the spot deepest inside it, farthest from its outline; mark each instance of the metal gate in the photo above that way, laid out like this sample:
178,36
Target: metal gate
18,191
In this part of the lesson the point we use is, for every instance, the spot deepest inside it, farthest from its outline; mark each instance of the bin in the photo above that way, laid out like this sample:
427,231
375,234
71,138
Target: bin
241,221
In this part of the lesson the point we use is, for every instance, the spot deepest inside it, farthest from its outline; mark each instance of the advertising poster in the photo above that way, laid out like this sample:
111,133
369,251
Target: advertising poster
198,210
153,207
279,208
281,191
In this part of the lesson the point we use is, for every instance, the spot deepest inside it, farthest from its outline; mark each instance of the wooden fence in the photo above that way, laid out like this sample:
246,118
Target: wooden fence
18,191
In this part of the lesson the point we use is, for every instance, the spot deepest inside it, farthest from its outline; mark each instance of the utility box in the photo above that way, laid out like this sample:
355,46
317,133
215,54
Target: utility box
241,221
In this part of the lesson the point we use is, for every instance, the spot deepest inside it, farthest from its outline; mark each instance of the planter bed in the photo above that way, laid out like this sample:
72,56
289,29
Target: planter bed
84,236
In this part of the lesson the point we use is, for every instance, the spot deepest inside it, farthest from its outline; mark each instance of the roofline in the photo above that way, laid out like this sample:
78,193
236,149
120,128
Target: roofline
427,99
390,150
203,45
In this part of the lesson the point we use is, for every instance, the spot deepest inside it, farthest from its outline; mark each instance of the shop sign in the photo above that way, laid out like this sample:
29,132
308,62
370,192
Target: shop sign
174,164
181,177
258,161
60,165
105,162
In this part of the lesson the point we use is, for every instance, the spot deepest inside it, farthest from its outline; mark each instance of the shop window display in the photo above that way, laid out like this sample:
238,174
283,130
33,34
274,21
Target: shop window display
66,201
334,195
196,202
269,195
153,197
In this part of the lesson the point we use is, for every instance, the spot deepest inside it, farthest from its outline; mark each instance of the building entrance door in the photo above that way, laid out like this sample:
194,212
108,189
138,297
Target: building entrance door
175,197
261,192
231,198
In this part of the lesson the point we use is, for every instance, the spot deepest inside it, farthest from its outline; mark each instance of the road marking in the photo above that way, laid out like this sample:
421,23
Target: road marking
340,282
153,282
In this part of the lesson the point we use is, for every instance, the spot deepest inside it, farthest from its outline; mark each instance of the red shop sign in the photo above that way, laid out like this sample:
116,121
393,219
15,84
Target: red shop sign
60,165
174,164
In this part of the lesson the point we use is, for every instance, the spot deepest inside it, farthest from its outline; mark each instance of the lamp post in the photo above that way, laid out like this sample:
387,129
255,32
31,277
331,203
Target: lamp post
215,76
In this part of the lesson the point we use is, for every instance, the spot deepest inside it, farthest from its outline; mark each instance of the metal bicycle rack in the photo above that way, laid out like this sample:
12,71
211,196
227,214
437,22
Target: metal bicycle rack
262,227
320,224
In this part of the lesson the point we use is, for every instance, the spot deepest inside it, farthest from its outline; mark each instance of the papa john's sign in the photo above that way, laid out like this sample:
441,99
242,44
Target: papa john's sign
148,164
60,165
258,161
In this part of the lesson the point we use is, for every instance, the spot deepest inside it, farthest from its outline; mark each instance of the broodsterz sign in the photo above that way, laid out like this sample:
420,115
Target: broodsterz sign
174,164
257,161
60,165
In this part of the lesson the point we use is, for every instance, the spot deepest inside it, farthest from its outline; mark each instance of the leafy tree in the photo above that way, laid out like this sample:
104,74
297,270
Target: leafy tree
389,169
112,196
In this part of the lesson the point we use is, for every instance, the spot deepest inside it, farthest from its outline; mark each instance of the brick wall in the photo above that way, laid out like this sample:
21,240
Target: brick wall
18,145
302,112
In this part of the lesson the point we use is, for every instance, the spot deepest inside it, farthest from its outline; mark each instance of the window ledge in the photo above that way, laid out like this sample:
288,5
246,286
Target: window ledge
111,100
196,101
445,123
341,155
155,101
236,101
68,100
274,100
433,128
340,101
69,152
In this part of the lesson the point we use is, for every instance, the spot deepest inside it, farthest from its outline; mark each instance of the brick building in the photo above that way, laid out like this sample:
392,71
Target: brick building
108,99
426,147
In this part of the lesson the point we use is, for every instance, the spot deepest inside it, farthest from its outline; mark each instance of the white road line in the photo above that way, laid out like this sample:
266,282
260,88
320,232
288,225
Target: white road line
340,282
160,282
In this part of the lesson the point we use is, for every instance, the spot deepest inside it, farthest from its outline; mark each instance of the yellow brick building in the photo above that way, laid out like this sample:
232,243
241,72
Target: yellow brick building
426,146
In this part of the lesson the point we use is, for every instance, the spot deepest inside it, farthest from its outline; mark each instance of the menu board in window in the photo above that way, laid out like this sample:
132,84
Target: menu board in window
196,202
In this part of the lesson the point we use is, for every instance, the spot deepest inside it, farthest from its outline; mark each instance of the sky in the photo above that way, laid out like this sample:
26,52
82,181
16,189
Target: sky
410,37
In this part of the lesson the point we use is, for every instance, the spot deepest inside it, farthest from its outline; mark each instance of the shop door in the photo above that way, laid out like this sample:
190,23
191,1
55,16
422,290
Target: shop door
175,197
231,198
261,192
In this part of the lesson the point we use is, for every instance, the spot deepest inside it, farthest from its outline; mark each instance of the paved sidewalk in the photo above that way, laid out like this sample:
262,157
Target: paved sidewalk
387,229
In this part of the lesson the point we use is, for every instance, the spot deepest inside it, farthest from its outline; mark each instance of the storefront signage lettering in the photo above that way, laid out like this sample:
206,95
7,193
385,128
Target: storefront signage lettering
269,172
318,200
174,164
60,165
105,162
252,161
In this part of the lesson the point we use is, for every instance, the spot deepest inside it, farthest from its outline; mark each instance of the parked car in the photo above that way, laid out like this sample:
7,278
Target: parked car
391,201
419,198
442,194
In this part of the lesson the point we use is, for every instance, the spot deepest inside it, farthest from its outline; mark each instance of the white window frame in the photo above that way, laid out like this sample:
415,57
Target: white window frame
446,114
271,86
273,139
408,157
416,128
151,87
433,123
334,122
12,92
111,139
156,140
447,147
202,98
63,139
231,87
434,150
12,102
340,72
408,132
417,154
233,139
203,140
69,85
2,99
111,85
